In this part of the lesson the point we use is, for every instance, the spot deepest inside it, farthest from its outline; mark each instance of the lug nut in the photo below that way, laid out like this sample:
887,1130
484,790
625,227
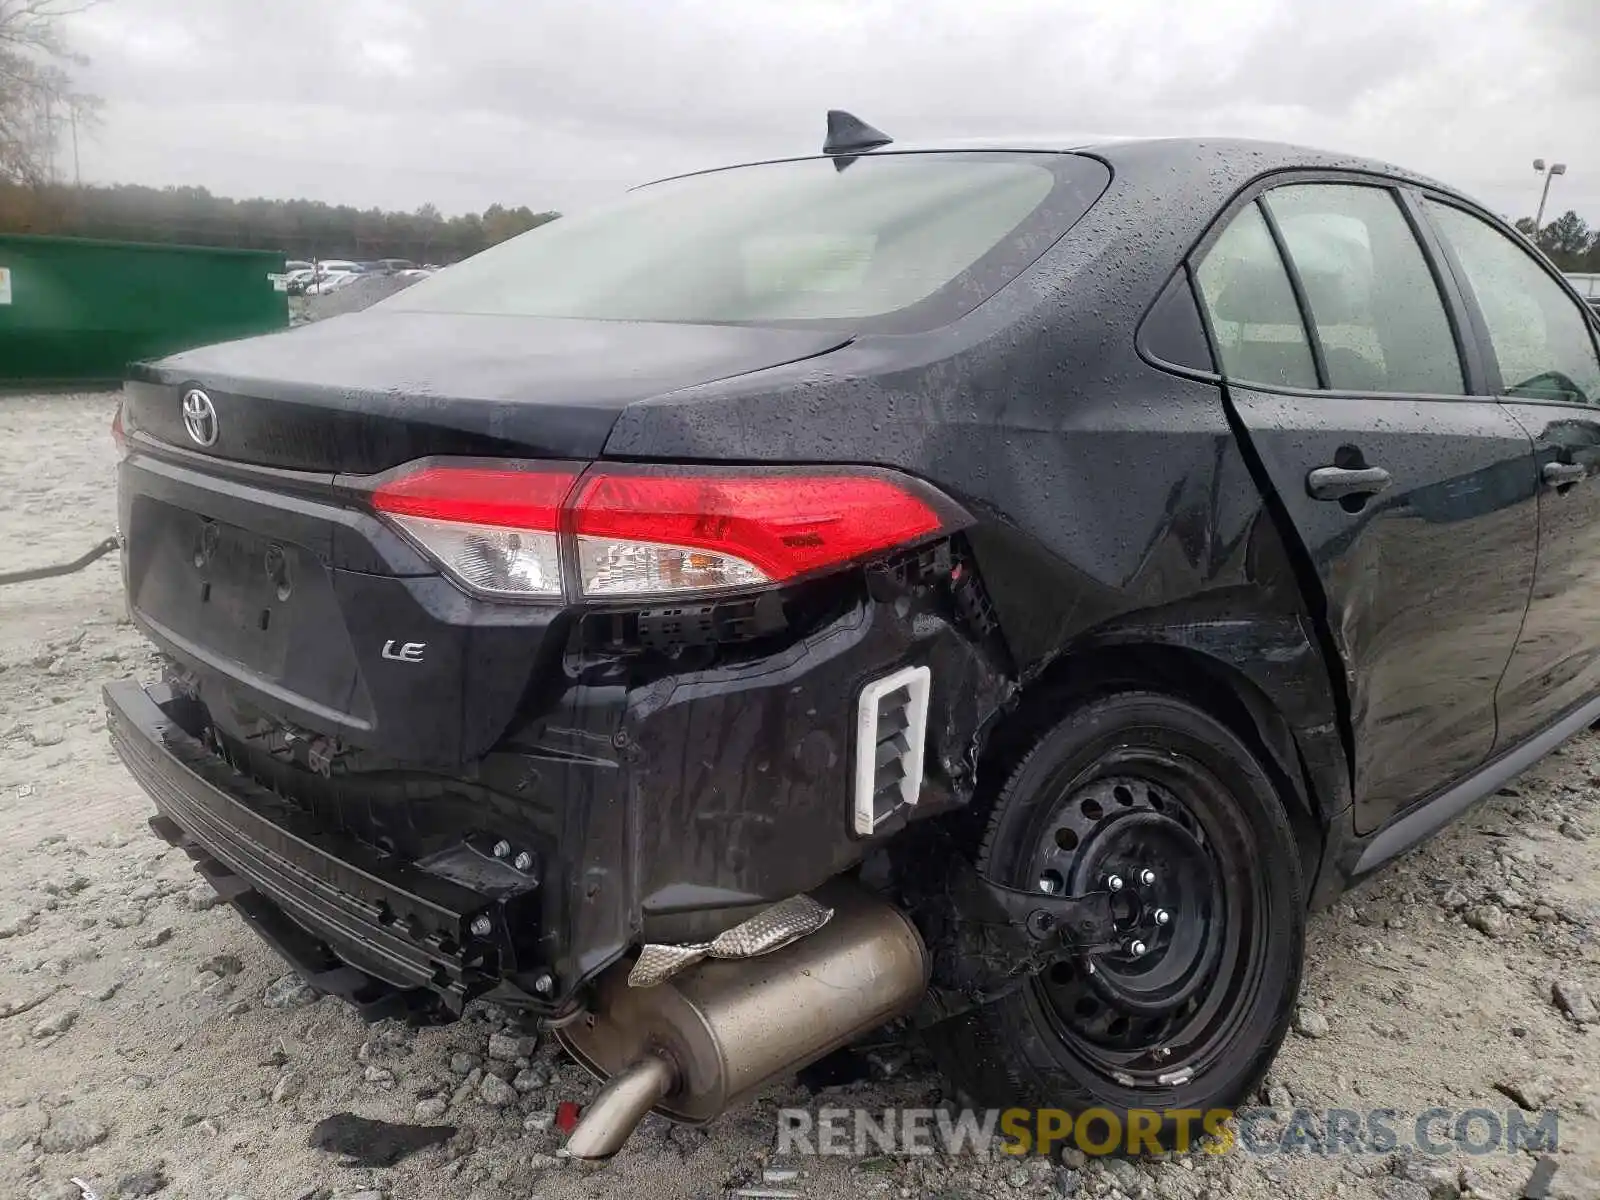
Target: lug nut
1162,916
544,983
1113,883
501,849
1147,877
482,926
523,861
1047,885
1136,947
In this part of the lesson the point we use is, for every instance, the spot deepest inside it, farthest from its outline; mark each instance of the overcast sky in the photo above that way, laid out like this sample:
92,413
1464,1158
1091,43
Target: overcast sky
557,105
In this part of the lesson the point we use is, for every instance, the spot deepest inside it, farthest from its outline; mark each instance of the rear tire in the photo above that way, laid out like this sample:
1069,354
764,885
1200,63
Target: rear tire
1129,783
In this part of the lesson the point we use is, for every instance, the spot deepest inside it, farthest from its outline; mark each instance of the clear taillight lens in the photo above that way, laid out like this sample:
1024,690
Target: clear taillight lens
507,529
495,528
505,562
612,567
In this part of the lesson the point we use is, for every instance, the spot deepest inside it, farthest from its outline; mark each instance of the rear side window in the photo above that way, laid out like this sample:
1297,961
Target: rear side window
1255,320
1373,299
1540,337
886,241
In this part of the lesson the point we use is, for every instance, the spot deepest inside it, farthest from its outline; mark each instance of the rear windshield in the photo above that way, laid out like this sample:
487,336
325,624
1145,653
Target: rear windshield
891,241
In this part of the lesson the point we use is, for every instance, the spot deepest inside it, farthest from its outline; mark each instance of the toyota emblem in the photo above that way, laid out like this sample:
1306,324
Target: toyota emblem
199,417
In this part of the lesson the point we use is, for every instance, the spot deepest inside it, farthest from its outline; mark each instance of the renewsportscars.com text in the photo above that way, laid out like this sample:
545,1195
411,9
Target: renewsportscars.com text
1098,1131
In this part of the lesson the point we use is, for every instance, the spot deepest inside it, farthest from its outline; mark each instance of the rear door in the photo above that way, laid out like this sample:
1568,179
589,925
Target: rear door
1411,491
1543,362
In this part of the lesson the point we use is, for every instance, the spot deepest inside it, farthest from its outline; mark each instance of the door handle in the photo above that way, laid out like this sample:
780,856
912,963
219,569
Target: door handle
1557,474
1335,483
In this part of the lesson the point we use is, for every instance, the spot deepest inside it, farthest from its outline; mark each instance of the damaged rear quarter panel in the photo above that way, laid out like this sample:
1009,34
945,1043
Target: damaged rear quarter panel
1131,521
1113,504
681,791
739,773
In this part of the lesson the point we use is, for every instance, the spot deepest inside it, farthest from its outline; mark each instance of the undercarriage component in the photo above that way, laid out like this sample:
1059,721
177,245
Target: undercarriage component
1048,922
625,1101
321,898
772,929
1116,892
726,1027
999,937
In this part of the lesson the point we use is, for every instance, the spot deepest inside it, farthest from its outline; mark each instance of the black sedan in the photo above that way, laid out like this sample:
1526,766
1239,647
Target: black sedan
1005,586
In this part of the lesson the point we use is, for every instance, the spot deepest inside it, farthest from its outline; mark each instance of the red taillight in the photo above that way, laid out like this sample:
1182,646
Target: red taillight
508,498
508,528
766,527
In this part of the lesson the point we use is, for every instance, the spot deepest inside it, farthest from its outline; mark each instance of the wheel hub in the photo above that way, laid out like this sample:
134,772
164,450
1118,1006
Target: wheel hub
1133,838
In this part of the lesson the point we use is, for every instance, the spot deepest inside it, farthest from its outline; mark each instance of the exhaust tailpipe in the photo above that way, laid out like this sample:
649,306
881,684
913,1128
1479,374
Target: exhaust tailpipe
696,1045
624,1101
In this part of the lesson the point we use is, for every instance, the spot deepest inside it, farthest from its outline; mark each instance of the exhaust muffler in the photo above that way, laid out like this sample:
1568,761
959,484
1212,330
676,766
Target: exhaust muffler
696,1045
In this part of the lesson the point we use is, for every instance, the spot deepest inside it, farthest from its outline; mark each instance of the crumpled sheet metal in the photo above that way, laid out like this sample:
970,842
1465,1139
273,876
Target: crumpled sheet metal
772,929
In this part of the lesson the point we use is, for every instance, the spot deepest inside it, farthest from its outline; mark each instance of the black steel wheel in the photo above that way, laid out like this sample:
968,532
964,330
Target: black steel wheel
1151,799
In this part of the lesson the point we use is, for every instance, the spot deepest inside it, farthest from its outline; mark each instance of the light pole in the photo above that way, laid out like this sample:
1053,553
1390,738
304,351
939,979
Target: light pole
1555,169
77,169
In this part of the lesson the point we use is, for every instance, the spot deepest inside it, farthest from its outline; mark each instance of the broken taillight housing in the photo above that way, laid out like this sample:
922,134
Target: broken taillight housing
649,530
547,530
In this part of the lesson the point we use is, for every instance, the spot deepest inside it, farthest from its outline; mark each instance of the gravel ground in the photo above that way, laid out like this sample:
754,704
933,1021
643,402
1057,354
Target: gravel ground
152,1046
354,297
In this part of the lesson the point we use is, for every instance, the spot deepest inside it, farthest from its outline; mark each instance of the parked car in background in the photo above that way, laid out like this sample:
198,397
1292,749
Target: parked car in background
1007,586
390,266
331,281
1588,286
299,280
330,274
296,264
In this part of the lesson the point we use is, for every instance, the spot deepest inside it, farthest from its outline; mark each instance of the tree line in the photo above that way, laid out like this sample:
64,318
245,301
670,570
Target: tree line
312,229
304,229
42,113
1569,242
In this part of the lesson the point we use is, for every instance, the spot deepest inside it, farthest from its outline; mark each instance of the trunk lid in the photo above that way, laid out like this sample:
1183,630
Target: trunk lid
365,392
298,611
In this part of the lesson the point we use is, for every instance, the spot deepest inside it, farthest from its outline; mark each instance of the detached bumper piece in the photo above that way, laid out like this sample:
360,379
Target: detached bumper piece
355,923
891,736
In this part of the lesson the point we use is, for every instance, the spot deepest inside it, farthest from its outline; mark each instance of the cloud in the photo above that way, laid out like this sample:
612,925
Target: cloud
1574,37
397,102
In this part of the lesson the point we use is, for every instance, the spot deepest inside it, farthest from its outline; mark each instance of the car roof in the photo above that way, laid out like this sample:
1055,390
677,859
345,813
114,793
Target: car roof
1238,159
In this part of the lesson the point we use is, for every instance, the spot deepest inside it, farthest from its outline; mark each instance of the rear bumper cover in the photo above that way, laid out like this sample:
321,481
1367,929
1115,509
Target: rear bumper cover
354,923
662,806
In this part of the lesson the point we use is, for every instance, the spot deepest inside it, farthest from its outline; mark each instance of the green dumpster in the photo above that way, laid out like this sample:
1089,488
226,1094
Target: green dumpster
74,310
